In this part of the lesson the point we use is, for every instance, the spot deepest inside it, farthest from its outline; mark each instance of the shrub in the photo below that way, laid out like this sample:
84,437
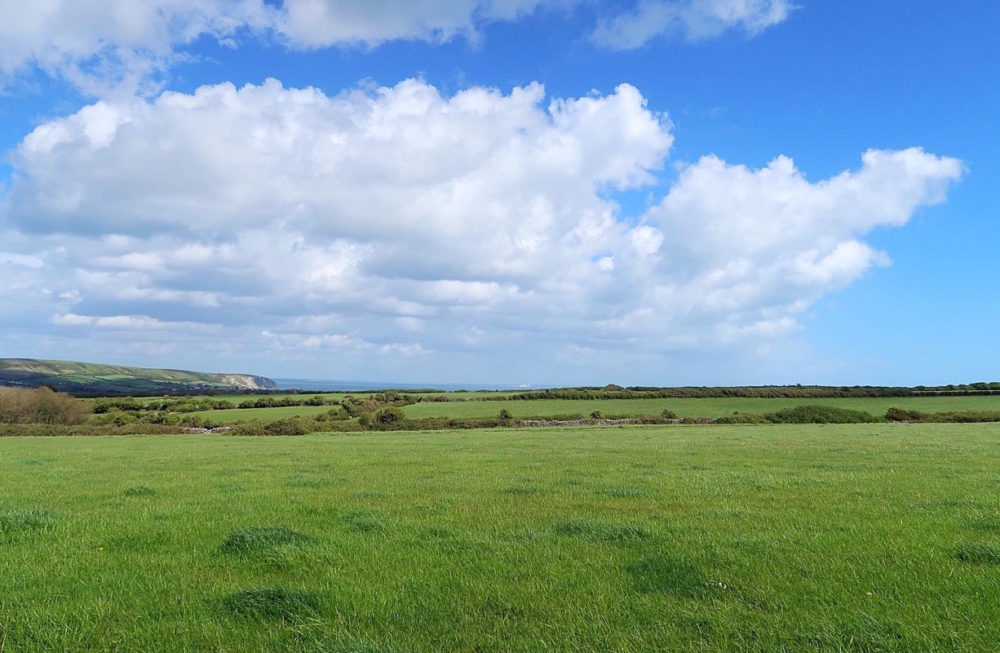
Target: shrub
116,418
40,406
802,415
820,415
742,418
505,415
290,426
389,416
902,415
966,416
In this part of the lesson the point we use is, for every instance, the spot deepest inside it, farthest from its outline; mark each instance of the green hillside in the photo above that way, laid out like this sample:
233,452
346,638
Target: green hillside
96,379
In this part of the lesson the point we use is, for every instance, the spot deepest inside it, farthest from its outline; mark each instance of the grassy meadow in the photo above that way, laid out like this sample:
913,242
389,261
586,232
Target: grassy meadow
236,399
250,414
471,408
694,407
857,537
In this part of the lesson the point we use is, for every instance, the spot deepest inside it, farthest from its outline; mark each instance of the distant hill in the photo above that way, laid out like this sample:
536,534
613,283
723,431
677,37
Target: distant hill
96,379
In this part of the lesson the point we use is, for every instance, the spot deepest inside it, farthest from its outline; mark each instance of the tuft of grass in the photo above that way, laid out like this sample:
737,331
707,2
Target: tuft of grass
524,490
602,531
261,538
306,481
364,521
991,524
276,603
979,553
622,492
26,519
438,533
139,491
339,643
667,575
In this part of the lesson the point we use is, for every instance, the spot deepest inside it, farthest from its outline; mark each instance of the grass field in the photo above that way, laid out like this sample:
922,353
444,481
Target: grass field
860,537
710,407
250,414
236,399
694,407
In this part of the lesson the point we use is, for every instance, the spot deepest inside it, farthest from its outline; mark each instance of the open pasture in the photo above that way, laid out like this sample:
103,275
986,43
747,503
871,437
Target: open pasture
858,537
268,414
236,399
692,407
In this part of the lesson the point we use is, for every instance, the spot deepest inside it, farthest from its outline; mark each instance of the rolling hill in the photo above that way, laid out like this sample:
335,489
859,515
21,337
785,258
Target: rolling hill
97,379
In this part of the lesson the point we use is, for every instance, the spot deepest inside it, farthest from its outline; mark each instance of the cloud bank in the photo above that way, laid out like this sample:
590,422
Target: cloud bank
397,222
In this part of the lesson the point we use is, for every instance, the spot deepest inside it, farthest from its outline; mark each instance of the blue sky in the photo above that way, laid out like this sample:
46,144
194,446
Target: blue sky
510,191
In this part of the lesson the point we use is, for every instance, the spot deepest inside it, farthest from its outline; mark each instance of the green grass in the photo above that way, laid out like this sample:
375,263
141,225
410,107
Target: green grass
236,399
268,414
695,407
874,537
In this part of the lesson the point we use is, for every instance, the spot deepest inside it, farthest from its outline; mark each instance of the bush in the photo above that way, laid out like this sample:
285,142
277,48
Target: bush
505,415
289,426
966,416
116,418
820,415
389,416
742,418
902,415
40,406
802,415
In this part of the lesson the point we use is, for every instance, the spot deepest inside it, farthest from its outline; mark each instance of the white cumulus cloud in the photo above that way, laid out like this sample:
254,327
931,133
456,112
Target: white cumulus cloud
322,23
103,44
109,47
399,221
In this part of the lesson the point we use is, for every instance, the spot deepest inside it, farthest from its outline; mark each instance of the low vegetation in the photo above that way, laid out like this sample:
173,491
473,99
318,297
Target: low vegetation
802,415
40,406
798,537
393,411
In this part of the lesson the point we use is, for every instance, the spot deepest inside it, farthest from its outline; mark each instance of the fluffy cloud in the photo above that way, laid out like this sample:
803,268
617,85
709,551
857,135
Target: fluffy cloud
103,44
403,223
404,167
748,250
108,46
322,23
689,19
